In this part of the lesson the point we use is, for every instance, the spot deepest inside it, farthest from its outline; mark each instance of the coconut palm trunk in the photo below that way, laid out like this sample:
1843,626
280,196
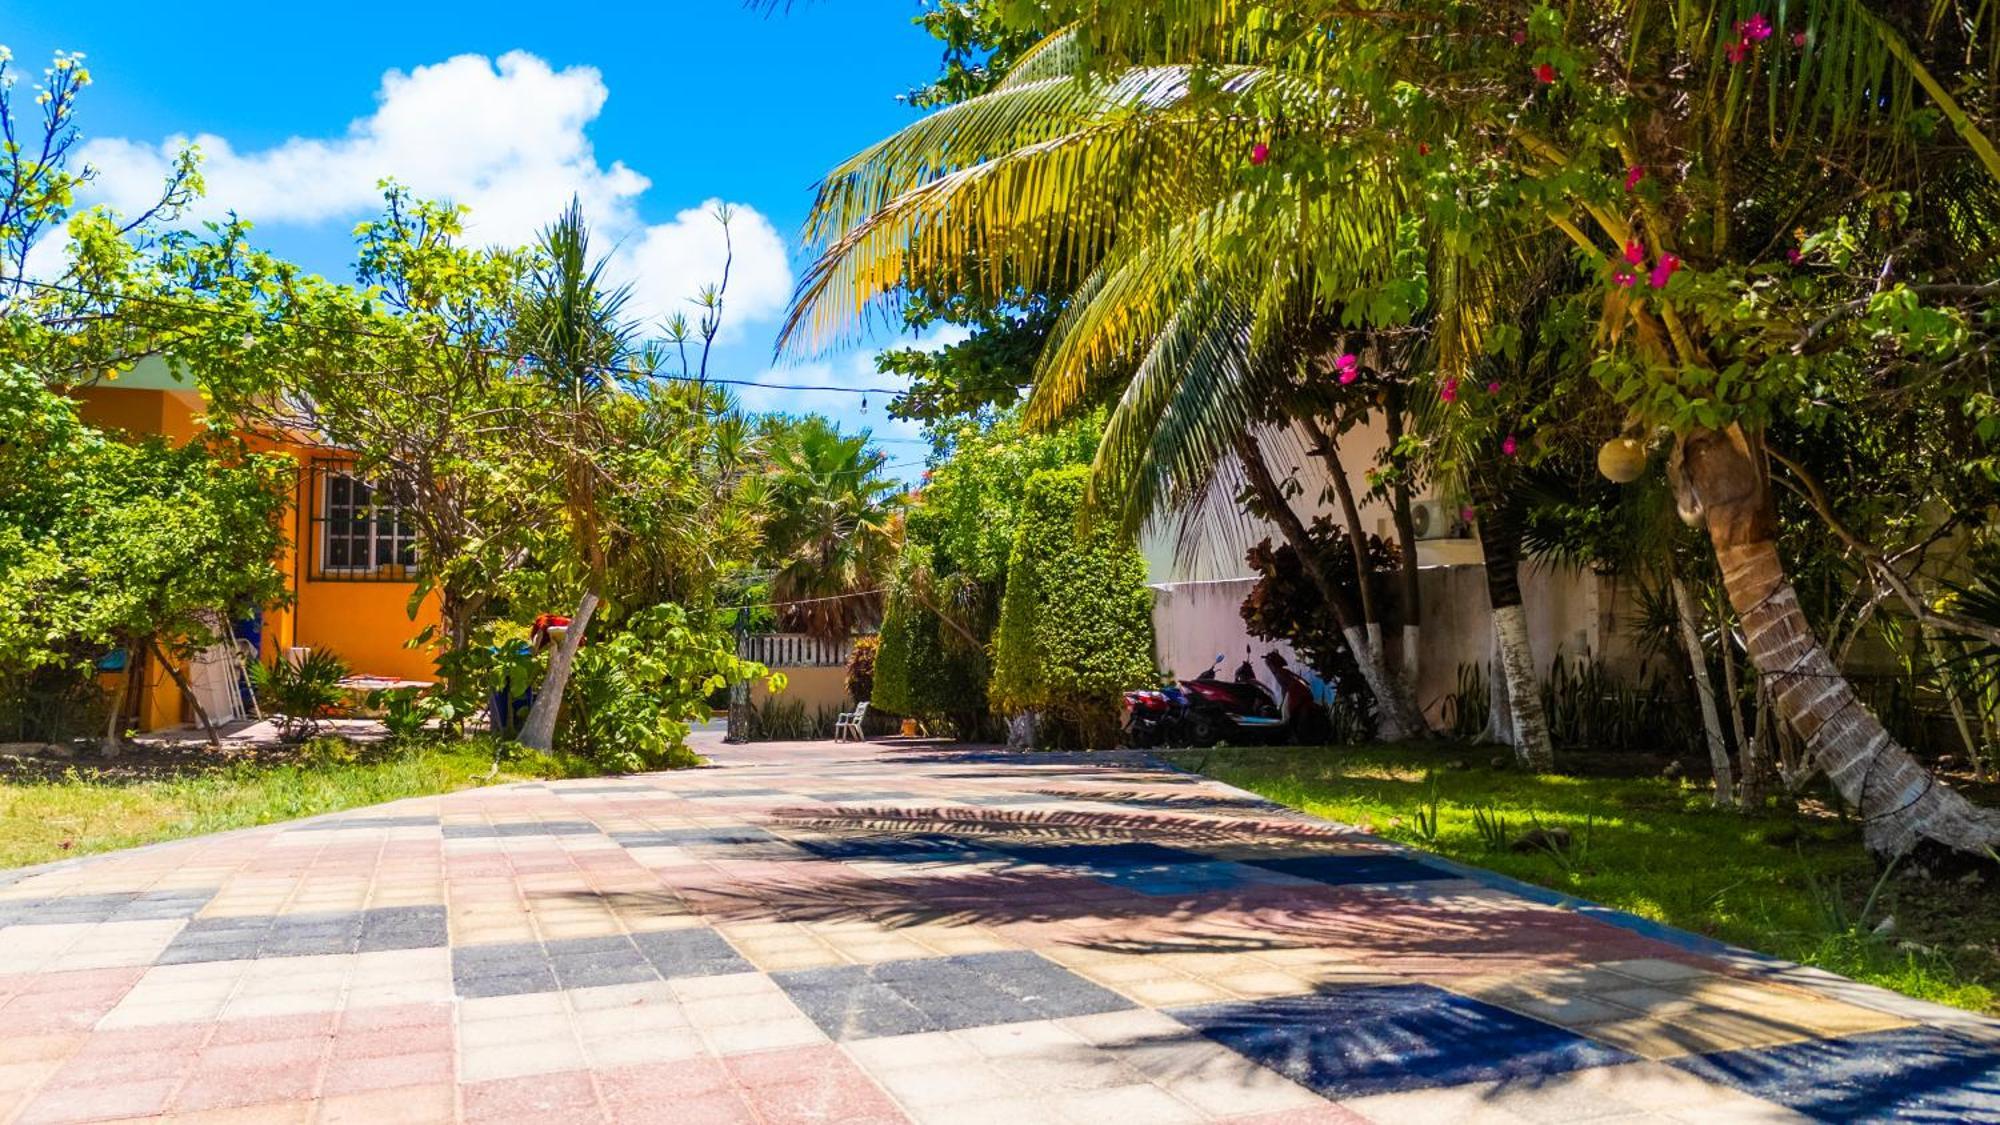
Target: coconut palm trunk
1350,514
539,733
1406,542
1704,689
1395,711
1725,478
1500,547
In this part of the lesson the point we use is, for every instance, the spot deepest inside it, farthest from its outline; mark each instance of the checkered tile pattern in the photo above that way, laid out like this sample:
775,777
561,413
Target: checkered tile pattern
901,932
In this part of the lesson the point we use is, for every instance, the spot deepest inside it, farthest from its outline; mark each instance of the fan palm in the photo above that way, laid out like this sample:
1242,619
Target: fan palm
829,536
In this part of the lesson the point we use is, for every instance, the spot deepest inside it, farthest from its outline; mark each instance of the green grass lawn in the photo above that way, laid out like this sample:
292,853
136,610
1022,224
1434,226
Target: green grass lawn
1790,885
98,806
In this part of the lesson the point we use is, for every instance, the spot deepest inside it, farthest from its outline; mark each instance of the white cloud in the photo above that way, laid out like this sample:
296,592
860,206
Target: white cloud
505,137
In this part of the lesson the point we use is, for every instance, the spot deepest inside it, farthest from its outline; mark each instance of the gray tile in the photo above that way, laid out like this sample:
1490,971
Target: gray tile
504,984
522,828
364,823
121,906
690,953
307,935
942,994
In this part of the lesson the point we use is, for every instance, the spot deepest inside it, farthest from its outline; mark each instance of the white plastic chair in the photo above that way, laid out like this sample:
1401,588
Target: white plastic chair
849,723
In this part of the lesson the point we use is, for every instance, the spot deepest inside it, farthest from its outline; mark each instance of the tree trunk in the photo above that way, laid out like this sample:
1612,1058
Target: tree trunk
1395,712
539,733
1500,546
187,693
1499,718
1704,690
1406,542
1357,536
113,740
1724,478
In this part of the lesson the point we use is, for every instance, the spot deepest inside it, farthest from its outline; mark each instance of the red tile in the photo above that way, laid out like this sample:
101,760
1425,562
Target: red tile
542,1097
98,1103
264,1055
359,1075
710,1109
664,1082
265,1028
218,1089
392,1041
395,1015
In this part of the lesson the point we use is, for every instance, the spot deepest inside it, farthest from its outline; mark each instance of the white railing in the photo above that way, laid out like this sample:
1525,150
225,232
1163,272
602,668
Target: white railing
794,650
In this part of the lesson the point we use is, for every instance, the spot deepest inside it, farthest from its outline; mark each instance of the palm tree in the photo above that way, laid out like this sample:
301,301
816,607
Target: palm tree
572,324
1275,156
829,535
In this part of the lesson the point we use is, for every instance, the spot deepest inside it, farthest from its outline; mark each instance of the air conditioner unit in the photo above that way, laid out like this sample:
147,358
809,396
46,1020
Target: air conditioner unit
1433,519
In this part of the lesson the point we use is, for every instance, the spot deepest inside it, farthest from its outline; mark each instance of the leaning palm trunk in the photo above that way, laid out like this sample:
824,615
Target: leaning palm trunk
1724,479
1704,690
1500,545
1396,714
540,731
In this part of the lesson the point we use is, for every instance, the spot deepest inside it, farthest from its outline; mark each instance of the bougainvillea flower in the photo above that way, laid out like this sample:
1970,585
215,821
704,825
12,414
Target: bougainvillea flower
1756,28
1449,392
1545,74
1663,272
1738,51
1634,253
1624,278
1349,368
1510,446
1633,175
1260,152
1466,514
1795,256
1423,149
1798,38
1519,37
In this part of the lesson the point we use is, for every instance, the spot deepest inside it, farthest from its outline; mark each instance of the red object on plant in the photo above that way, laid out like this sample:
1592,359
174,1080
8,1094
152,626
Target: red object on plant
1493,388
1349,368
1423,148
1519,37
1664,272
1260,152
1798,38
1756,29
1624,278
1449,392
1633,175
1510,446
1634,253
1545,74
1795,256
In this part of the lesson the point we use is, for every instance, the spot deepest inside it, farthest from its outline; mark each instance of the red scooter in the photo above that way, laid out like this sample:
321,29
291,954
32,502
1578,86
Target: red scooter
1242,709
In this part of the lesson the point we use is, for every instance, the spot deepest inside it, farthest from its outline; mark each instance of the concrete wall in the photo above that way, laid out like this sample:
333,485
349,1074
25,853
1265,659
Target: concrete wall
811,687
1570,612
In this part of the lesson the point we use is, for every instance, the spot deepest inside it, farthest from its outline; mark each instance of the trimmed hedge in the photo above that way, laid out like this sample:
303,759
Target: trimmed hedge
918,674
1076,621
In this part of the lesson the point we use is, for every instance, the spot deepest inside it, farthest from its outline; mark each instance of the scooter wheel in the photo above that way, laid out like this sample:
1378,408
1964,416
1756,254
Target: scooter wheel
1203,730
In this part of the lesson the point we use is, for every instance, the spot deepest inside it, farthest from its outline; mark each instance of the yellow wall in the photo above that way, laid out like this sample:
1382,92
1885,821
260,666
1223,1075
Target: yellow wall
813,688
366,623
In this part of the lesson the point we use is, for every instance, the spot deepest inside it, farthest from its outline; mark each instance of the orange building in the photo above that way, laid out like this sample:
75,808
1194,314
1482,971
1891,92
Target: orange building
347,565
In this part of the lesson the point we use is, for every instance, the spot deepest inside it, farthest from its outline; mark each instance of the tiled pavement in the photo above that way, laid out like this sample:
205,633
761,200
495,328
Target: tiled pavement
815,933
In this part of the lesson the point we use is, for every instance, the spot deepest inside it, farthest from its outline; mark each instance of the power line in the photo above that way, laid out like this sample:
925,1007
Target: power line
363,333
802,601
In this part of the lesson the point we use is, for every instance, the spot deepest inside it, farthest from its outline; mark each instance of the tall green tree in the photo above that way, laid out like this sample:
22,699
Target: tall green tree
828,538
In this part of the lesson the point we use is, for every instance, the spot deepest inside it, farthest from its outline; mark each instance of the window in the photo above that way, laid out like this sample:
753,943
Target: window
361,532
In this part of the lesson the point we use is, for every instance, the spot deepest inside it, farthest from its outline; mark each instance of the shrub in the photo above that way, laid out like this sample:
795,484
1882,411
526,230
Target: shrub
301,691
1076,620
636,690
861,669
778,719
921,673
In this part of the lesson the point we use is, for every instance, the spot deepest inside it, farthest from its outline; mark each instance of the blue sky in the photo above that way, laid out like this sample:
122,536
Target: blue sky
649,112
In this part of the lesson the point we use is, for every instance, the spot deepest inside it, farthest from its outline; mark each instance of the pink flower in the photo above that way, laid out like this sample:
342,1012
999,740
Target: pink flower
1510,446
1466,514
1798,38
1624,278
1260,152
1635,254
1449,392
1633,175
1349,368
1795,256
1663,272
1519,37
1493,388
1738,51
1756,28
1545,74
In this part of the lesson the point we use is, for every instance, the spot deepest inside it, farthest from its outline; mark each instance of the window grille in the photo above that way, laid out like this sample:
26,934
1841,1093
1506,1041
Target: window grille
359,533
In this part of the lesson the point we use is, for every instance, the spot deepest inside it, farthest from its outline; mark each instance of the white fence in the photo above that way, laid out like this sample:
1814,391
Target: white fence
794,650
